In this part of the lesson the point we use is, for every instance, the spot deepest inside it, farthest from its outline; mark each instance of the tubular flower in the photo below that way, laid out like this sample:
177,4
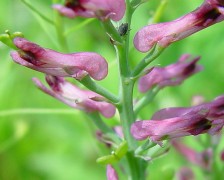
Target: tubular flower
111,173
102,9
177,122
76,65
202,159
163,34
171,75
75,97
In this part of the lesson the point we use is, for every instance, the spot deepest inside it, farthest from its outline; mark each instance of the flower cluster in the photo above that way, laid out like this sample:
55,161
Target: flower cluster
165,124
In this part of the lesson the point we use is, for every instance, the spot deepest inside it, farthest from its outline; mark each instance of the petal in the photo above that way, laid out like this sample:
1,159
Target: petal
111,173
166,33
75,65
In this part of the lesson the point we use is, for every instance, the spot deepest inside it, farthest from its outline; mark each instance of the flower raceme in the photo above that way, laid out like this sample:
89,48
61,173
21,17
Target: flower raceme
75,97
171,75
76,65
177,122
102,9
163,34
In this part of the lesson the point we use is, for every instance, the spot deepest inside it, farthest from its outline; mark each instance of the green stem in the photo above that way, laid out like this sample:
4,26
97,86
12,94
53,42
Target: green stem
37,12
159,11
125,106
79,26
112,31
153,54
99,123
91,85
14,112
60,32
146,99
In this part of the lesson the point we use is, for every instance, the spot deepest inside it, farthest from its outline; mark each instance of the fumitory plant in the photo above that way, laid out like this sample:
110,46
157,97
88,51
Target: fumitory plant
133,140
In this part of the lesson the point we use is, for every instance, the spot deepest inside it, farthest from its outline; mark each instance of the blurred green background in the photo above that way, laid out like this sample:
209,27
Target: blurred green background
56,146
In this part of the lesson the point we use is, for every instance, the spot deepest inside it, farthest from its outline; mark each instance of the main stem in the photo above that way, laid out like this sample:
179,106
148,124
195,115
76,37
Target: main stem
125,106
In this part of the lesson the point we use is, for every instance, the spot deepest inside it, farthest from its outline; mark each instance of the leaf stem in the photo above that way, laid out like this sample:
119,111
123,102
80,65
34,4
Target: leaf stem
146,99
91,85
37,12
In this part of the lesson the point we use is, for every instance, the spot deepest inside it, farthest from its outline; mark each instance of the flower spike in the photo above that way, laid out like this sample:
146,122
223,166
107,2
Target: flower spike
76,65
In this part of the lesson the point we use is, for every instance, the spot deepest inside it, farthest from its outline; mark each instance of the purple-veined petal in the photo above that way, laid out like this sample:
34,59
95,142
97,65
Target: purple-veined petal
75,97
171,75
102,9
76,65
209,13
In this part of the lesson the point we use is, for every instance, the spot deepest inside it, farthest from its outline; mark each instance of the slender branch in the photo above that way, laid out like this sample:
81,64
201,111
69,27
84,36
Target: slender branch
159,11
99,123
146,99
60,31
152,55
79,26
95,117
111,31
37,12
91,85
27,111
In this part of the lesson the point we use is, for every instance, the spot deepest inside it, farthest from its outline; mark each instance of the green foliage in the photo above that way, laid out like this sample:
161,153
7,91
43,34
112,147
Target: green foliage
60,146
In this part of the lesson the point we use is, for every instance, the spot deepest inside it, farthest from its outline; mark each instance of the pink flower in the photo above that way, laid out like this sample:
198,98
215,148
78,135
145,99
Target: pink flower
76,65
171,75
111,173
75,97
178,122
102,9
209,13
202,159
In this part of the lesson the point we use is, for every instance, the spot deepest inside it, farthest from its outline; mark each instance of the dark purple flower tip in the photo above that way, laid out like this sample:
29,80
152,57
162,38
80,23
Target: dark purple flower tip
76,65
75,97
178,122
102,9
163,34
111,173
171,75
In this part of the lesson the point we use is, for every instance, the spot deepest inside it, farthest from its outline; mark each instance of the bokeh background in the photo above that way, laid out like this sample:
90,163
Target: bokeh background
38,141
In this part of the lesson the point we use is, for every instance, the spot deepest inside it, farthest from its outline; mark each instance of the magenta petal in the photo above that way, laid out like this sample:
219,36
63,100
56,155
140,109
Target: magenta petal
171,75
102,9
178,122
75,97
209,13
64,10
111,173
75,65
